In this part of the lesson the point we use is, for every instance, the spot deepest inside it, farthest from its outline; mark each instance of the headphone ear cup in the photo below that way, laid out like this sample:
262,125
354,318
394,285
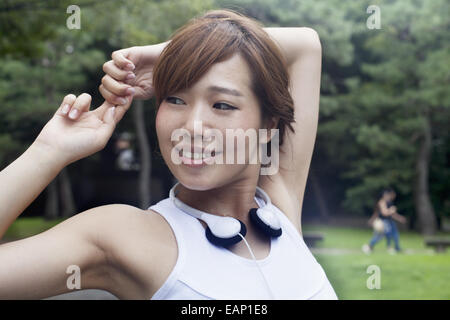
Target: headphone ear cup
225,242
261,225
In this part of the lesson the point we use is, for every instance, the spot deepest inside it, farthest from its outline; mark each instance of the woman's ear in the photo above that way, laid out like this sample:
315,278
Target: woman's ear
271,124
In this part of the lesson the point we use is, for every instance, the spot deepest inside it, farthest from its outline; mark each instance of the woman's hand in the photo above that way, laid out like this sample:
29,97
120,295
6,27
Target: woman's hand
399,218
130,73
402,219
74,132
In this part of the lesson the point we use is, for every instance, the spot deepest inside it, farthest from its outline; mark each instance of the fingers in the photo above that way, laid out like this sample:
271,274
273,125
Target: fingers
73,106
120,59
67,103
112,98
115,72
81,104
110,115
107,113
115,92
116,87
109,96
118,71
120,110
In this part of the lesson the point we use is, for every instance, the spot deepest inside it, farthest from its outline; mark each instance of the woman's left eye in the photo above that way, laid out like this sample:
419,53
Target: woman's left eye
224,106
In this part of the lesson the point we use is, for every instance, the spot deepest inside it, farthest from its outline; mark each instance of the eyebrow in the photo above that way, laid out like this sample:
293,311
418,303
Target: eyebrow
232,92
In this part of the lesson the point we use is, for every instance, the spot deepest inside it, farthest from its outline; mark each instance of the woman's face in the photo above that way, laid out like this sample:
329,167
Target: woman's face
222,99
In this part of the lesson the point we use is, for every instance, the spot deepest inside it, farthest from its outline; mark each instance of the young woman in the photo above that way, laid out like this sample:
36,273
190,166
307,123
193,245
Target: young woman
222,70
387,212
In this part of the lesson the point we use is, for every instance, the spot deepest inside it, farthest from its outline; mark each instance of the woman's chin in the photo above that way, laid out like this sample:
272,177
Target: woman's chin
199,181
196,184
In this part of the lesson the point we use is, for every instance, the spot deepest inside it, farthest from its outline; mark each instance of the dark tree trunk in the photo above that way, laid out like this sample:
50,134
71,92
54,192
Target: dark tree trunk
318,194
145,155
67,200
424,209
51,210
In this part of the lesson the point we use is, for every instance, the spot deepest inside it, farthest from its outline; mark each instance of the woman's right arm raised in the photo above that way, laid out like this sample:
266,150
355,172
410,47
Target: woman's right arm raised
36,267
63,140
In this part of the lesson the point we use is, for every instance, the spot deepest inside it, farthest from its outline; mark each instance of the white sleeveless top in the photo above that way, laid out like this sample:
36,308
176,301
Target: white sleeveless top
205,271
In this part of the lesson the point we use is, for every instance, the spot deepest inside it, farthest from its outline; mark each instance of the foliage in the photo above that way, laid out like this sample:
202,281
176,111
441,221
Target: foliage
379,87
376,86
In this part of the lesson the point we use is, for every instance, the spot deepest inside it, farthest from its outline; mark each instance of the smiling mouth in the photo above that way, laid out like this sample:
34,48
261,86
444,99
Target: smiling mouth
196,155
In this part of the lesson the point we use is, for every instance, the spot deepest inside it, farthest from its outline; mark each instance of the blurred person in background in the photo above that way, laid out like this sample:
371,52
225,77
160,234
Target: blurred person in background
383,222
126,160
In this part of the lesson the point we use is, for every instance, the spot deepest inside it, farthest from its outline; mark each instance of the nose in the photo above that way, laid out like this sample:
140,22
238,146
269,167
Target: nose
198,119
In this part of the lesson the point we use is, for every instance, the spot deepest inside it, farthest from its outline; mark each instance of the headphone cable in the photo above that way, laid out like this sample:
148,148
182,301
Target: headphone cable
259,268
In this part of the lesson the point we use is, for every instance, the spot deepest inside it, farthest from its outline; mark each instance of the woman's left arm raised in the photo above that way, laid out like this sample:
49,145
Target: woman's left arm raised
303,53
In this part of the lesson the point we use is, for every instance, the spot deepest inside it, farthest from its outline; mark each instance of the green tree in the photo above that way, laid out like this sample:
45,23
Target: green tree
395,108
30,91
384,103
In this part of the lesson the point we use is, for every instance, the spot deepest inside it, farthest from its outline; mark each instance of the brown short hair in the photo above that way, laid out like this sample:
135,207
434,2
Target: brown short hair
215,37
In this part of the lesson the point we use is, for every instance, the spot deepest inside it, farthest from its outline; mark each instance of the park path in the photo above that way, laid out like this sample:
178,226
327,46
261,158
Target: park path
341,251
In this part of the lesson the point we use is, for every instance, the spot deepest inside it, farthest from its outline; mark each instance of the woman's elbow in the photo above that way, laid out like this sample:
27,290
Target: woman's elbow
310,40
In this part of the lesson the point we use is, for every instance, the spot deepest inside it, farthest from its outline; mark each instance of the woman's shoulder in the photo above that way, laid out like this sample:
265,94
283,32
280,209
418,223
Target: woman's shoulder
115,221
140,246
119,215
120,228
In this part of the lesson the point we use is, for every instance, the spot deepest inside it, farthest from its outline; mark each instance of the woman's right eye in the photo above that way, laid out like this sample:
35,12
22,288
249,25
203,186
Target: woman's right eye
174,100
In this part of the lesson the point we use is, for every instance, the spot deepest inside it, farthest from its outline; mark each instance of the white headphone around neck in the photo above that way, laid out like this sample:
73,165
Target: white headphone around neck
224,231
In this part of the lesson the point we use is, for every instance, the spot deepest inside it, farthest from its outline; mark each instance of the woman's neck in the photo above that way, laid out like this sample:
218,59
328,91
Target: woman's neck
234,200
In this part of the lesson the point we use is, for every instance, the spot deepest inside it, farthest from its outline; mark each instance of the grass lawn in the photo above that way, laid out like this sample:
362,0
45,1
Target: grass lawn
27,227
418,273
